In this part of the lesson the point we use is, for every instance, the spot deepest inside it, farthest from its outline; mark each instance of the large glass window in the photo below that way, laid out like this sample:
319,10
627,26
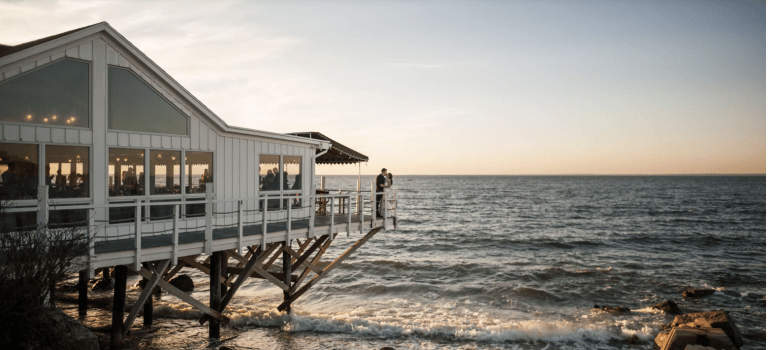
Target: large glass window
126,172
135,106
67,171
165,172
18,171
292,177
199,170
121,215
269,172
56,94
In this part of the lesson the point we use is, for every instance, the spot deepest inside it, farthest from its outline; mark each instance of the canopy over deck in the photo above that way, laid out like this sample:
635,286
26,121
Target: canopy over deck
337,154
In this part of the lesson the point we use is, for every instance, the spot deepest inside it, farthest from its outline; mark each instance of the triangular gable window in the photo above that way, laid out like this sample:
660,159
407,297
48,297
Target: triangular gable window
135,106
55,94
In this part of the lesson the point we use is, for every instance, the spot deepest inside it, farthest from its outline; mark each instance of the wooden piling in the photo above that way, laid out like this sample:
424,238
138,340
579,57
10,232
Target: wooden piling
287,260
224,265
118,307
214,327
148,305
82,290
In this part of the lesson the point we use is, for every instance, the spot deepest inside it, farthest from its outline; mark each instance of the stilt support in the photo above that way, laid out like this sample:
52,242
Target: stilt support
118,305
145,298
214,327
149,304
287,277
82,291
328,269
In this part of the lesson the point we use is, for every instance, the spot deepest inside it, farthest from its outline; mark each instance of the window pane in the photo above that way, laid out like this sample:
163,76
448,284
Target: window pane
121,215
24,221
292,177
165,172
161,212
135,106
68,218
199,170
126,172
194,210
18,171
56,94
268,173
67,171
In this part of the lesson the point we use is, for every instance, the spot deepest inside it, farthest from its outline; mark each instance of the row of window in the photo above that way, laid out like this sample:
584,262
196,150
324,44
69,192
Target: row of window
58,94
67,172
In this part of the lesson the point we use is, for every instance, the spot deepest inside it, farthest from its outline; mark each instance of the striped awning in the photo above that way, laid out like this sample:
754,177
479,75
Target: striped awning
337,154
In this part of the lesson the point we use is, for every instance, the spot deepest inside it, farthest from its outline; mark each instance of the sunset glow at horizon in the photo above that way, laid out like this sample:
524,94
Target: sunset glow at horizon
464,88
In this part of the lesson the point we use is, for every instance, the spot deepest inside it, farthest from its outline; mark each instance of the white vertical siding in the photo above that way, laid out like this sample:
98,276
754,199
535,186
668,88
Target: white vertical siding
195,133
43,134
203,136
28,133
57,135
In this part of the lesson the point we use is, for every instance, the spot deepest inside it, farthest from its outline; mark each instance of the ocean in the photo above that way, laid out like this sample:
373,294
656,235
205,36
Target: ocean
516,262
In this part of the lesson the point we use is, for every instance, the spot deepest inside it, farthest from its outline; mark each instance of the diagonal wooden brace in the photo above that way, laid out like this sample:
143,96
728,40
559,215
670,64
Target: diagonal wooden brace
328,269
186,297
255,260
315,260
298,261
145,294
304,262
192,263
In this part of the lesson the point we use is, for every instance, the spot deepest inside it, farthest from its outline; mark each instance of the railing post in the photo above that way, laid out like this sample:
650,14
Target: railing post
175,252
349,214
362,211
322,183
42,207
91,238
209,218
373,205
332,212
358,207
264,224
137,263
288,226
239,225
394,210
311,231
385,204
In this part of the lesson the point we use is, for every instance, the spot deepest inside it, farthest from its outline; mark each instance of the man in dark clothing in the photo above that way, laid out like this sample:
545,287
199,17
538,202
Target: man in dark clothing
381,181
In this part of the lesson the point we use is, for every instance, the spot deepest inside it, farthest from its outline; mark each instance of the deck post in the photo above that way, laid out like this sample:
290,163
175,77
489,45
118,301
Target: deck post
358,208
82,291
385,204
214,326
138,224
311,231
333,199
118,307
373,205
91,247
322,183
148,305
42,206
209,218
349,214
288,226
287,260
224,273
264,223
175,251
239,225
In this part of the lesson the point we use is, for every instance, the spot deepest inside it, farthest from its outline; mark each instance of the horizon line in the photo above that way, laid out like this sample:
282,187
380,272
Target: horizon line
692,174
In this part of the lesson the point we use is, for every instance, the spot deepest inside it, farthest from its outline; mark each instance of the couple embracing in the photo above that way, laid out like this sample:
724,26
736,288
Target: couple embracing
383,181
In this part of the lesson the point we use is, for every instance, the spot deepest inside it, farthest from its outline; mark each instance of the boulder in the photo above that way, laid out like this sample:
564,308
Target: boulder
617,309
184,283
103,284
681,337
668,307
716,319
140,284
697,293
633,339
387,348
699,347
661,338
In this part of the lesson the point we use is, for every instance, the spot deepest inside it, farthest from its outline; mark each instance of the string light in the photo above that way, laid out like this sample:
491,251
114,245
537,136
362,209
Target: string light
29,117
45,120
54,117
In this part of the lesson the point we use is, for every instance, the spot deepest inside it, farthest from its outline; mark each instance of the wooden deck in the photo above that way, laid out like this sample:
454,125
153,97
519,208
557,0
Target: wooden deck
157,247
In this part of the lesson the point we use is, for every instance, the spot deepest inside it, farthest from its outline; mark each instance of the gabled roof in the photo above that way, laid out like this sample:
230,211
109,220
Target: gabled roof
6,50
337,154
9,54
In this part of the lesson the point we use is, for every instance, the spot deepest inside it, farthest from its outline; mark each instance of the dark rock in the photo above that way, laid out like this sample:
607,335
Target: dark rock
661,338
732,293
103,284
617,309
633,339
698,293
387,348
668,307
717,319
754,296
184,283
681,338
596,306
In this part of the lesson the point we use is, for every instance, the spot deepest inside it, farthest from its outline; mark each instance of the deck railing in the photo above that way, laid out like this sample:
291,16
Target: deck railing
333,205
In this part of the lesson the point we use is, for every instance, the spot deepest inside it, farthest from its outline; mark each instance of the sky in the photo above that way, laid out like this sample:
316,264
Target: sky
464,87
